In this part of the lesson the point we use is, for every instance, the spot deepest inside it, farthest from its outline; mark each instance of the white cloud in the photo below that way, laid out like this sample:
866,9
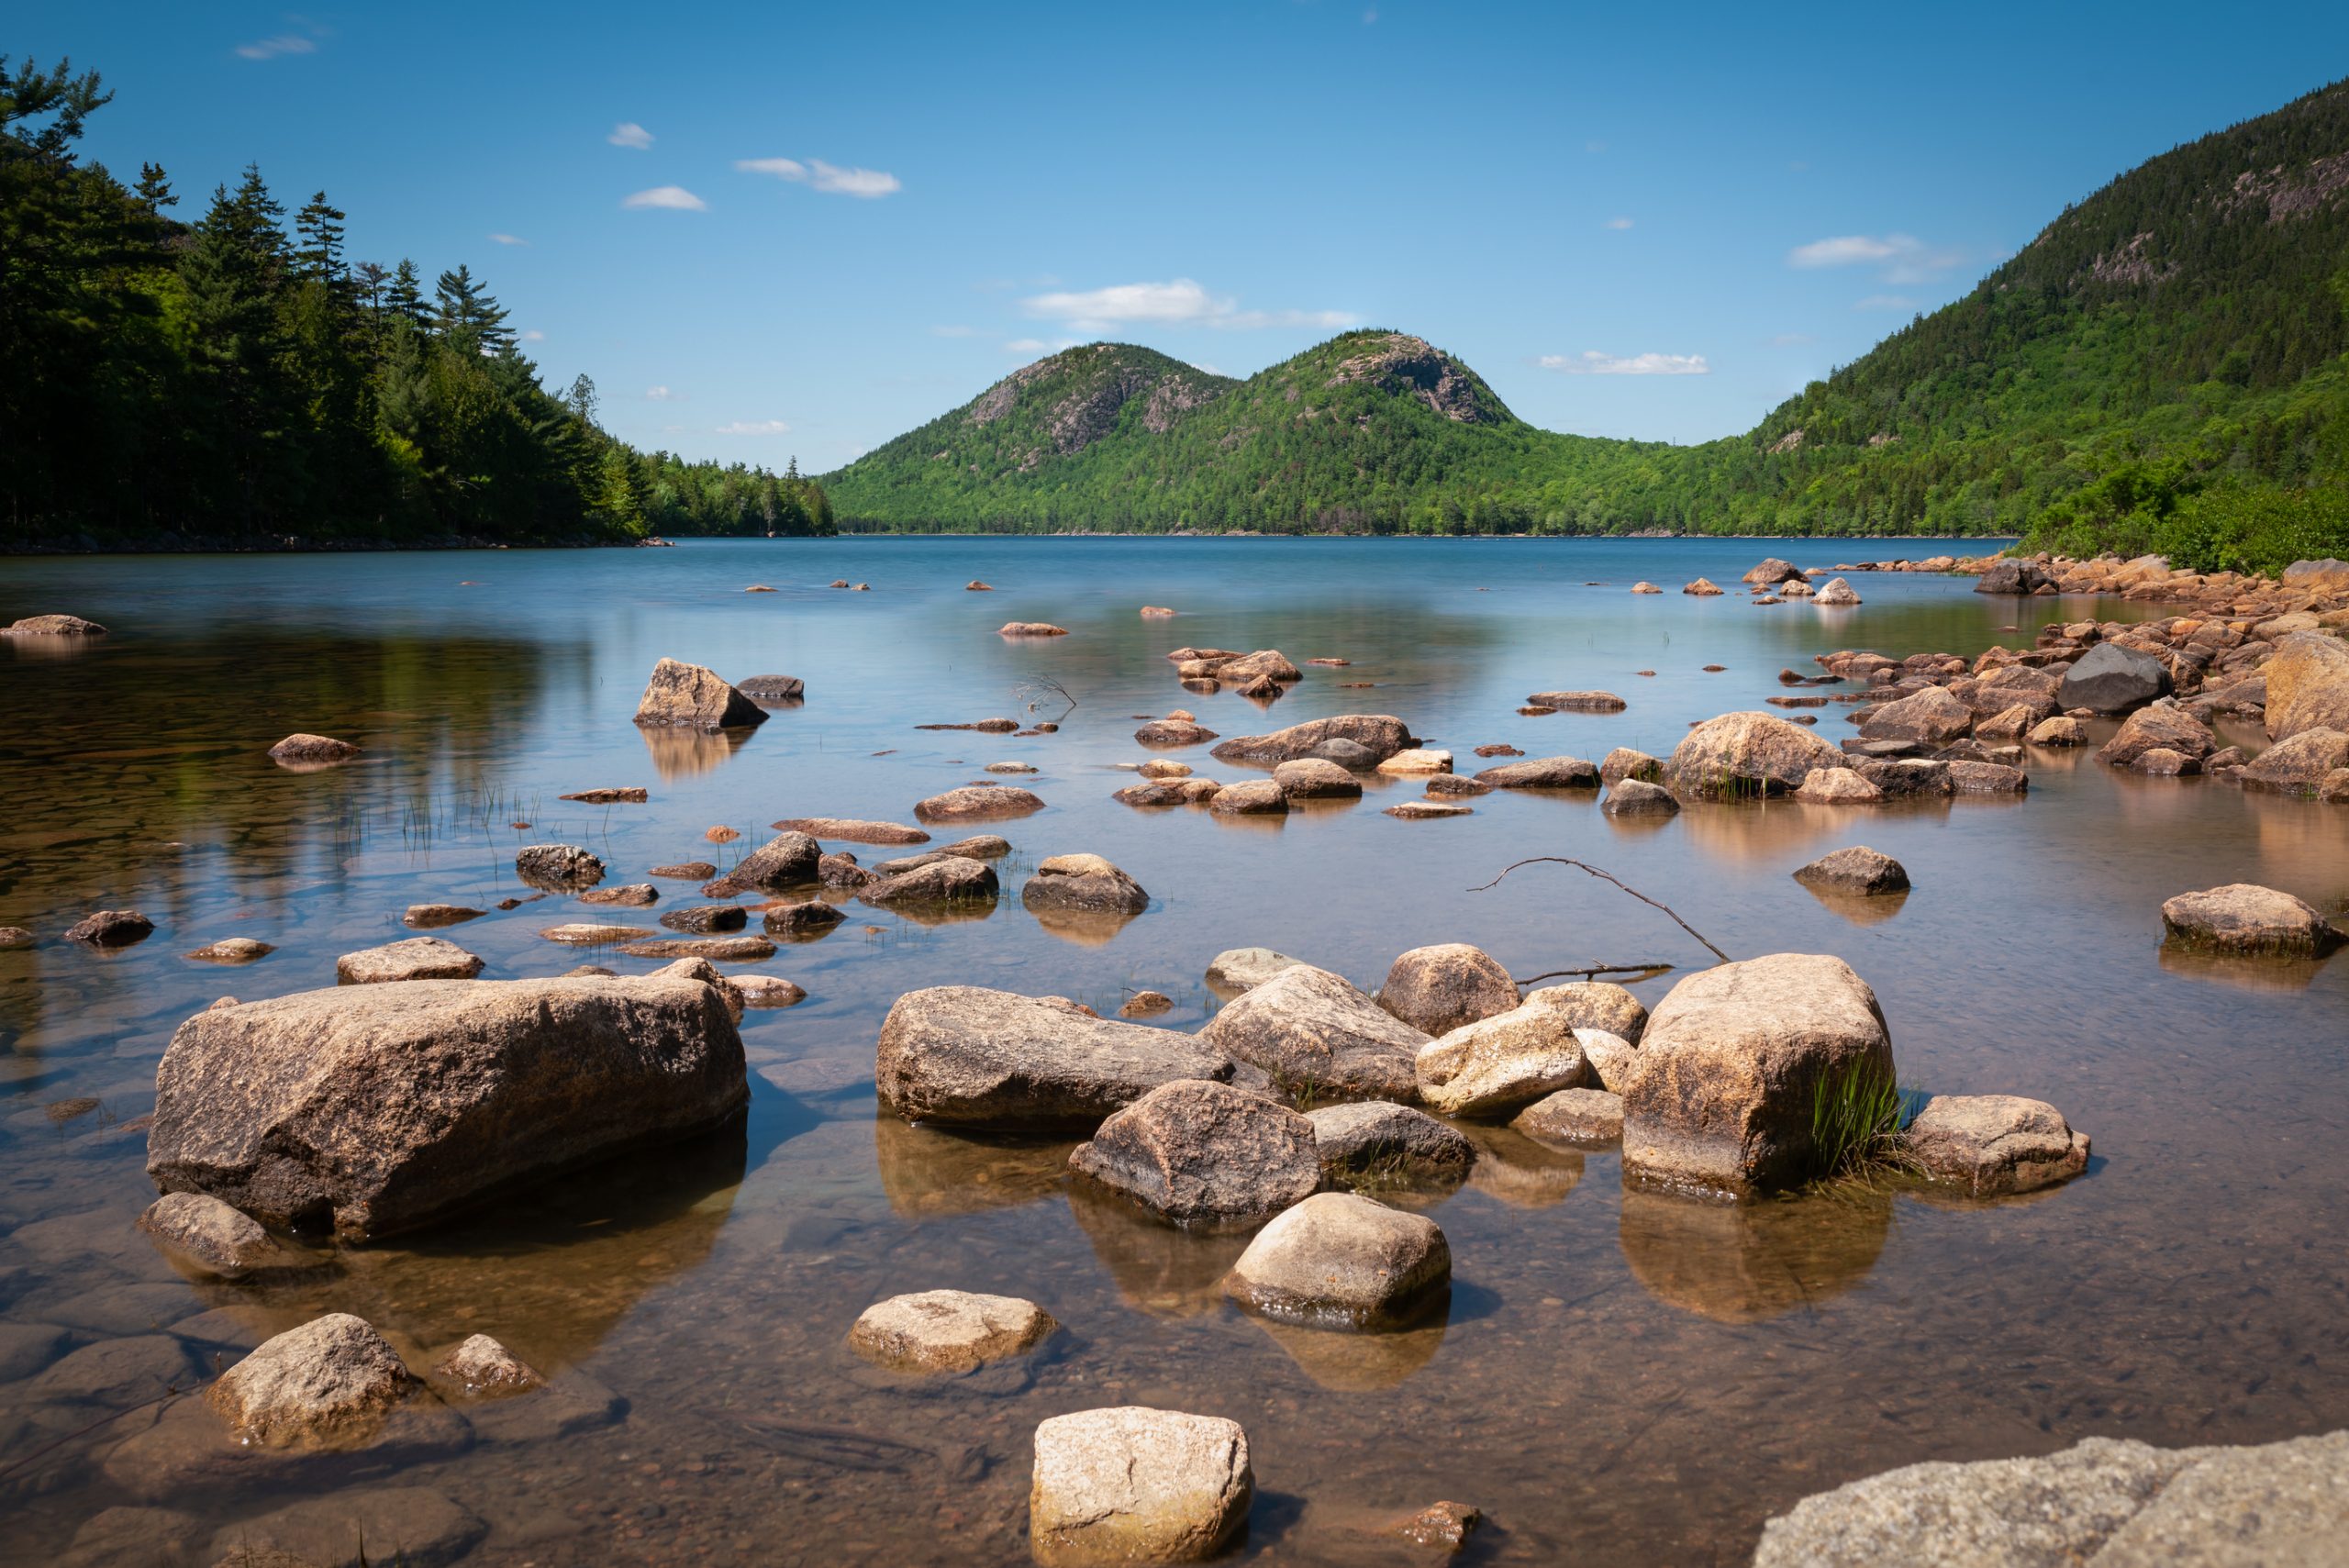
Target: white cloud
509,239
534,336
662,395
1025,345
1590,361
628,133
284,43
829,178
754,428
1905,258
1180,303
1884,302
675,197
1618,223
952,331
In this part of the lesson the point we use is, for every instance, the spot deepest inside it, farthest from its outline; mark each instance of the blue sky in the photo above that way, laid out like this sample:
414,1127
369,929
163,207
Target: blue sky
780,230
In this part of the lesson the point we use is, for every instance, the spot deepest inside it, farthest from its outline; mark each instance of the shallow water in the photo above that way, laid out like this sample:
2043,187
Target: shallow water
1626,1378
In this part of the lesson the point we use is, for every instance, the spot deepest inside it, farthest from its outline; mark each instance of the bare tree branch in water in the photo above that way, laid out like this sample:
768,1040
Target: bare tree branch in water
1606,876
1037,690
1593,971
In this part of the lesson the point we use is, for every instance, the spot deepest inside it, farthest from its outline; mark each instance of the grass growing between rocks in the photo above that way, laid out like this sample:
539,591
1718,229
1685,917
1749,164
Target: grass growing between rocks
1856,1115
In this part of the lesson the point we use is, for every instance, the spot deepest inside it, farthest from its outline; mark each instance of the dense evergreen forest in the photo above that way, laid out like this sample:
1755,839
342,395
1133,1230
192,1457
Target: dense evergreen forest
233,383
2165,367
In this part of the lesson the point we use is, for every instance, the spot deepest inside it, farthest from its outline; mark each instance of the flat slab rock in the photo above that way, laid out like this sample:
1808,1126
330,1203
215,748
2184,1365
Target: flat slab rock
972,1057
1379,735
947,1333
1994,1144
383,1108
1195,1150
1574,1115
974,803
1134,1484
2102,1503
416,958
1340,1261
853,831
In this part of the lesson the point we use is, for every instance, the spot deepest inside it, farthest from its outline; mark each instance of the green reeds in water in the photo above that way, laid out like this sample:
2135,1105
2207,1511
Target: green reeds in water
1856,1114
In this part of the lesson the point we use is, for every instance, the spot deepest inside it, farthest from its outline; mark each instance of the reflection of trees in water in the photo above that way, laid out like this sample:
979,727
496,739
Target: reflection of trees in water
1740,1263
549,1271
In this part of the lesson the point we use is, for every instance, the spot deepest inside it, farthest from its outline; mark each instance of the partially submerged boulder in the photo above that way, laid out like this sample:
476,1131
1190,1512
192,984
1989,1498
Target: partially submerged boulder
1173,732
2162,726
2308,686
1541,773
557,868
1733,1063
1741,755
1574,1115
1250,797
1438,988
1340,1261
784,862
202,1230
2242,918
1379,734
1084,882
54,626
1196,1150
1238,970
2110,678
323,1385
976,802
304,750
1577,702
950,879
1265,663
1994,1144
1132,1484
1857,870
1320,1038
481,1365
1380,1141
383,1108
416,958
1932,717
949,1332
1838,786
1625,763
852,830
773,688
1497,1065
972,1057
687,696
1316,778
1637,797
111,928
2298,764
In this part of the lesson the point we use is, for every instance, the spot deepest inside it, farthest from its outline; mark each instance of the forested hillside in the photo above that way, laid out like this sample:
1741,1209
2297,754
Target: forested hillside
2162,368
235,382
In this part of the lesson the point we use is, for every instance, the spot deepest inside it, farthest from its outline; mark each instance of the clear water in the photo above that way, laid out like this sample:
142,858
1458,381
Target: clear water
1623,1379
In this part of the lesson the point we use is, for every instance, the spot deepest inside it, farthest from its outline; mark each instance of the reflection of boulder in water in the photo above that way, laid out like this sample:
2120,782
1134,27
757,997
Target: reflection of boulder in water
1085,927
2248,972
928,1173
1740,1263
1860,909
548,1270
688,753
1165,1270
1518,1170
1359,1363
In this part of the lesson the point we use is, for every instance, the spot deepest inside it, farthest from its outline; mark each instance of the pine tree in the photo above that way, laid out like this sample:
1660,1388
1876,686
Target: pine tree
468,311
319,255
405,298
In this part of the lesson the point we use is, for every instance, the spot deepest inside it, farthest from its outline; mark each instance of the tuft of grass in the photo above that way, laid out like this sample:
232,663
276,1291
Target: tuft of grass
1856,1115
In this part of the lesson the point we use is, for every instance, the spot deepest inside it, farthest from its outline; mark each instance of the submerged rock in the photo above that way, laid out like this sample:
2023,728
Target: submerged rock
216,1237
974,802
1543,773
482,1365
111,928
1731,1062
1992,1144
1855,870
1379,735
1132,1484
1320,1038
1238,970
318,1385
852,830
2246,918
1030,628
384,1107
949,1332
723,949
312,750
1438,988
1577,702
964,1055
1838,786
773,688
1428,810
784,862
1383,1141
415,958
1171,732
687,696
1574,1115
231,950
1339,1259
1637,797
1196,1150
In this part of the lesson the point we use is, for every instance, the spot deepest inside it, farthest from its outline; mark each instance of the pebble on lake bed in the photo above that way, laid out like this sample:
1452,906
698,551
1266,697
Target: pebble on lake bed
949,1332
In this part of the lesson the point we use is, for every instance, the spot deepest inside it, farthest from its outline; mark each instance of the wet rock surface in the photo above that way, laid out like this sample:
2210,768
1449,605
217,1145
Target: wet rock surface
214,1237
783,863
1858,870
978,803
324,1383
2242,918
1574,1115
413,958
111,928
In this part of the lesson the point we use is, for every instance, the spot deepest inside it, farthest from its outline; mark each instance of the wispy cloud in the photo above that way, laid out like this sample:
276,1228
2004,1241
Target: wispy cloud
509,239
284,43
1025,345
534,336
1180,303
1590,361
754,428
1884,302
628,133
662,395
675,197
952,331
829,178
1618,223
1904,258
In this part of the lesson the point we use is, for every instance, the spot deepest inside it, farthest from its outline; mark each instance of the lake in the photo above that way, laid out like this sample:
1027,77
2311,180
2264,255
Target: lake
1619,1379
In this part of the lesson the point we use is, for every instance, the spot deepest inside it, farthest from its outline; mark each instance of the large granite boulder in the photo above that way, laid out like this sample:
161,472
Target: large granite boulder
1131,1484
1084,884
1340,1261
973,1057
2102,1503
2298,764
1733,1065
784,862
1994,1144
2242,918
1267,663
1741,755
1320,1038
1195,1150
1932,717
1858,870
1771,572
2307,684
380,1108
1383,1141
2161,726
2110,678
1497,1065
1379,734
687,696
1435,989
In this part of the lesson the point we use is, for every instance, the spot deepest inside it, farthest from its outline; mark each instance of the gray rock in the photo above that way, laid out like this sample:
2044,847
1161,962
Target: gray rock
25,1348
111,928
1340,1260
783,863
2110,678
1855,870
2242,918
1906,778
803,922
1723,1099
1439,988
1992,1144
1387,1142
558,868
1239,969
1131,1484
1987,778
1320,1038
687,696
950,879
773,688
1541,773
1316,778
217,1239
1741,755
1381,735
386,1108
974,803
1637,797
1196,1150
416,958
1351,755
2018,577
967,1056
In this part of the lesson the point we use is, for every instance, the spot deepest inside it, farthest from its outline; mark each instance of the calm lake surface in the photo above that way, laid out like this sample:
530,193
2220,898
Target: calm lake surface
1628,1379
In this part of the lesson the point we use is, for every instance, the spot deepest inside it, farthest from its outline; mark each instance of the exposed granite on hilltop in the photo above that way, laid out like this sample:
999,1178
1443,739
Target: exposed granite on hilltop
1400,363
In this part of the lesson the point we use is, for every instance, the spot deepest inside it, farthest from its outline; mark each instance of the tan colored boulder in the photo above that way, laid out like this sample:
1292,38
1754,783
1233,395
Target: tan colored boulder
1265,663
204,1231
1637,797
1342,1261
1417,760
54,626
1435,989
1857,870
2061,730
323,1385
2308,686
311,752
2161,726
1574,1115
1702,588
1196,1150
1030,628
1624,762
1994,1144
1428,810
1838,786
1930,716
975,803
1085,883
1174,732
1237,969
416,958
1320,1038
1316,778
852,830
2298,764
481,1365
1836,594
1387,1144
1250,798
1380,735
1577,702
1137,1486
1741,755
1497,1065
1541,773
2242,918
949,1332
687,696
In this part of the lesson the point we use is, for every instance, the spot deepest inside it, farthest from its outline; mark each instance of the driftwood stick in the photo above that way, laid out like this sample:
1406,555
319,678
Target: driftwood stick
1605,876
1593,971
